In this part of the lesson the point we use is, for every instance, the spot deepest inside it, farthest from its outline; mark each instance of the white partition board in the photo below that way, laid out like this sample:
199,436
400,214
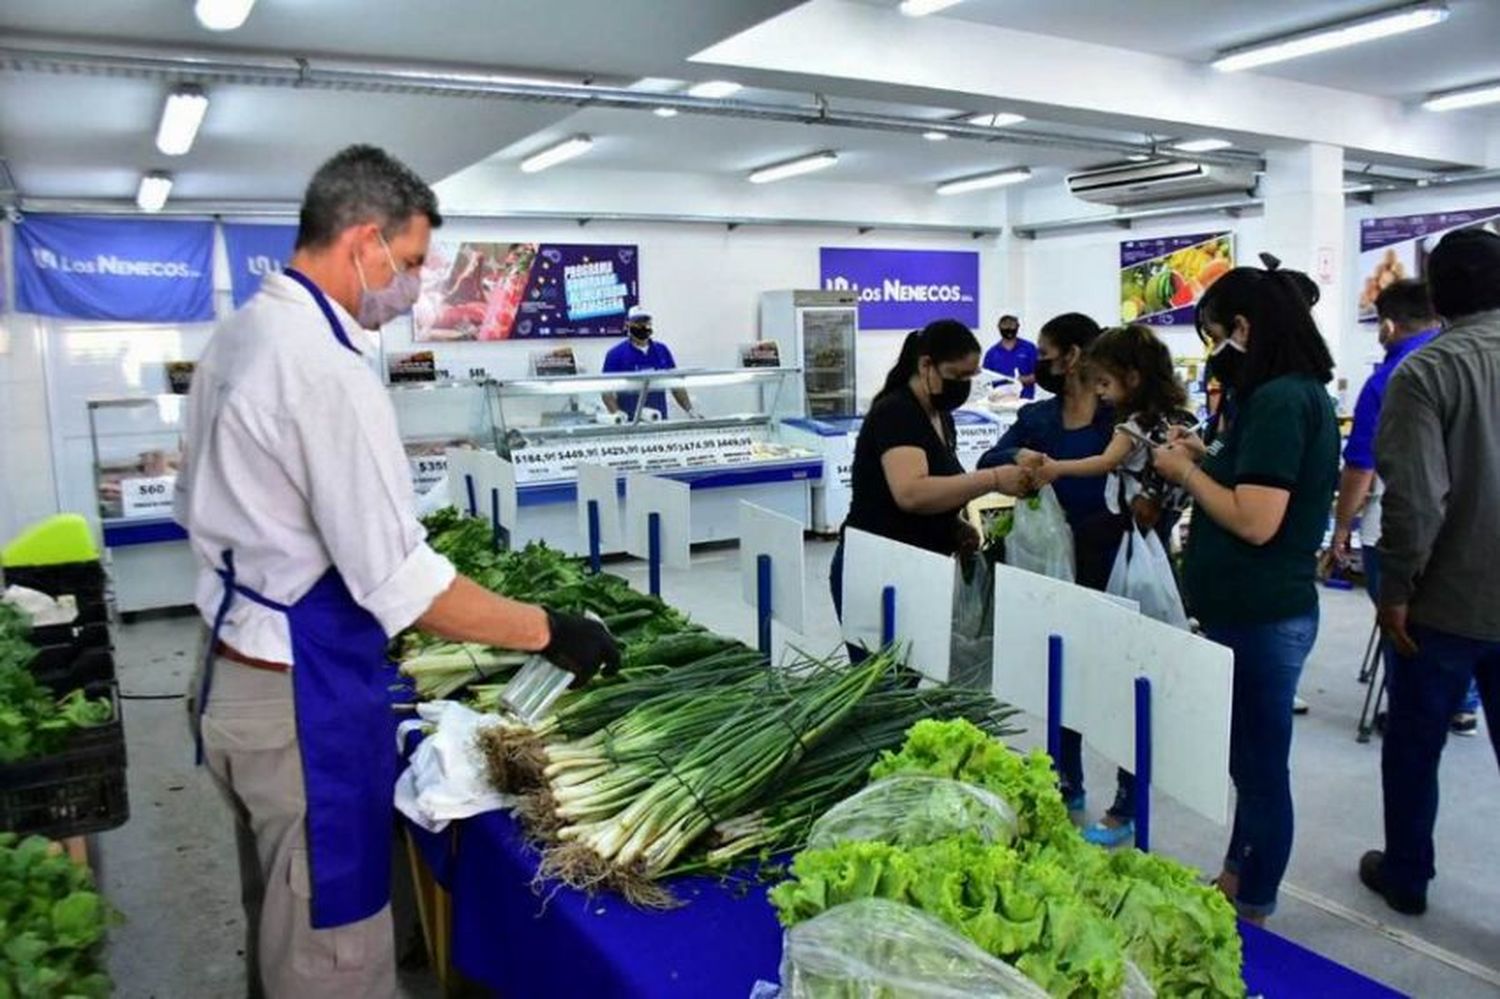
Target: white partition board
764,532
648,494
1105,647
460,464
493,473
924,599
600,483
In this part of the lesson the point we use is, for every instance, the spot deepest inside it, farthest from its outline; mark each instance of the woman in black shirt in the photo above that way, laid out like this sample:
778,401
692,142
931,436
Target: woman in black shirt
907,483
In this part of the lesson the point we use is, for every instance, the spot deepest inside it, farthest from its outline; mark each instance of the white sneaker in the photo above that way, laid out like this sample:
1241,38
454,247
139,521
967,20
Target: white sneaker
1299,706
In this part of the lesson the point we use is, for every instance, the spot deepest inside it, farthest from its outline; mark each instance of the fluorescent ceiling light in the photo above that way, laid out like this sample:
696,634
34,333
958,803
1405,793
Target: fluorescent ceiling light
714,89
921,8
1202,145
1468,97
665,112
222,15
1340,34
1138,157
997,119
934,136
180,119
553,155
793,168
985,180
155,186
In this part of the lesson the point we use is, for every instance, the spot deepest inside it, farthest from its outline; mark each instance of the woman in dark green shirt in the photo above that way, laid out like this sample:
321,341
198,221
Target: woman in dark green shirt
1262,493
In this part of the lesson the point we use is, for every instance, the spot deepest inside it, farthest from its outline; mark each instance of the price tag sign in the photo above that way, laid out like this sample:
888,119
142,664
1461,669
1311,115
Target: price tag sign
427,470
147,497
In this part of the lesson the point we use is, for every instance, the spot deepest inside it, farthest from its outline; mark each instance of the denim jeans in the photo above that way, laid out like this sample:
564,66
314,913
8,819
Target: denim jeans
1425,691
1268,660
857,654
1371,559
1070,777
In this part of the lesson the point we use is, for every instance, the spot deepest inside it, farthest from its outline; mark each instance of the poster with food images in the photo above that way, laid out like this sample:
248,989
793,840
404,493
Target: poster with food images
513,291
1395,248
1162,279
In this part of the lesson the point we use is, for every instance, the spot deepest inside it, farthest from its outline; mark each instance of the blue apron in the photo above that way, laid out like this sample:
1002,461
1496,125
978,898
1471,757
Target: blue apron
345,728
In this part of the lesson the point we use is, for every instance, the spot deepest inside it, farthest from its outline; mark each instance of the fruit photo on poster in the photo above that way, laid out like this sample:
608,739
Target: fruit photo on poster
1161,280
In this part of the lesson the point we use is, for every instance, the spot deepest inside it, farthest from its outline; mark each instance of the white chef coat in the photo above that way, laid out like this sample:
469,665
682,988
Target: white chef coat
292,459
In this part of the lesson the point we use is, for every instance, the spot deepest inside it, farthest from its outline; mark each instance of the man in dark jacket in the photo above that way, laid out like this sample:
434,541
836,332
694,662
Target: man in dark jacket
1438,451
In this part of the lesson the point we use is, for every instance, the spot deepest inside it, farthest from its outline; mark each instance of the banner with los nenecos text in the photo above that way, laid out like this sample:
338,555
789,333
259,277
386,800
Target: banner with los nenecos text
904,289
253,251
121,270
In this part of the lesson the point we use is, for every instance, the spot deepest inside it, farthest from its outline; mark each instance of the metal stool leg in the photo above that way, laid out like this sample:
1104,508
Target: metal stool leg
1376,689
1367,664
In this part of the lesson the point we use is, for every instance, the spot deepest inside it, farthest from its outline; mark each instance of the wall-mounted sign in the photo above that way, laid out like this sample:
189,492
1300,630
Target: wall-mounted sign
1394,248
1161,280
905,289
505,291
255,251
124,270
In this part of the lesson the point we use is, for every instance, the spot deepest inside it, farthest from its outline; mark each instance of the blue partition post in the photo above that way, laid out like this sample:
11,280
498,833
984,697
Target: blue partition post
653,551
763,603
473,500
499,536
595,563
1143,763
1054,697
887,617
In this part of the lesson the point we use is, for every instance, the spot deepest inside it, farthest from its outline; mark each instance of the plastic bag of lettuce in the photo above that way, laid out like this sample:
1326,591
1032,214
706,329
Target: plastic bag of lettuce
912,809
877,949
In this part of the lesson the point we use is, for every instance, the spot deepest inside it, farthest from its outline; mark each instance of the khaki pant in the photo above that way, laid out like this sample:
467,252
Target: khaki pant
250,748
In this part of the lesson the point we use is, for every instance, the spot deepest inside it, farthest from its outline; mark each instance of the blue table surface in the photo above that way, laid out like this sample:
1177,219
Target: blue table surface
522,942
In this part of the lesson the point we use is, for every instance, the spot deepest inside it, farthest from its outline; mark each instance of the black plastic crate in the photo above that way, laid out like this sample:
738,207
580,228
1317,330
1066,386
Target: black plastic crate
78,791
85,580
79,636
62,668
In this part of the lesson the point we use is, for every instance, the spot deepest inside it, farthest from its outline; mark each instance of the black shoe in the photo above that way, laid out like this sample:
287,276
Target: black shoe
1372,877
1464,723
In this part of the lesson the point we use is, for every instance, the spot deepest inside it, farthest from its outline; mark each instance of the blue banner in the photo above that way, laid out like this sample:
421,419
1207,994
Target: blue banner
127,270
905,289
255,251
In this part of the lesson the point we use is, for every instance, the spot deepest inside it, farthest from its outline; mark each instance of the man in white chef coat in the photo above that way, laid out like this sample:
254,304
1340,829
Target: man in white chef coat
298,504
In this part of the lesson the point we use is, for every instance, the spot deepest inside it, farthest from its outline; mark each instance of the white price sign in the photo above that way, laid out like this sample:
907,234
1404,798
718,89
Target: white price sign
147,497
427,470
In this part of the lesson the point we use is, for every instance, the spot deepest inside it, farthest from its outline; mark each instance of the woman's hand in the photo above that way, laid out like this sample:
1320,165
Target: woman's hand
1015,480
1185,438
1175,462
1046,473
1028,458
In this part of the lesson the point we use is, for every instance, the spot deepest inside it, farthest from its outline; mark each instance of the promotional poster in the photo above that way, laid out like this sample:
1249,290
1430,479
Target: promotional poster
1161,280
515,291
1391,249
905,289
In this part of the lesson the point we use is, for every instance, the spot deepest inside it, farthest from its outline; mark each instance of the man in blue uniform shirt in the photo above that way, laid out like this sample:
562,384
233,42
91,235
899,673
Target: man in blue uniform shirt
639,352
1013,356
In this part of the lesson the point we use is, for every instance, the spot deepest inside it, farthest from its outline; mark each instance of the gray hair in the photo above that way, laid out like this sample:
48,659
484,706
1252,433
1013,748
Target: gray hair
363,184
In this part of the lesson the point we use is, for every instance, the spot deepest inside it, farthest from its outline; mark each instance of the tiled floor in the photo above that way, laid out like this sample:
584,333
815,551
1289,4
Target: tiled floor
171,869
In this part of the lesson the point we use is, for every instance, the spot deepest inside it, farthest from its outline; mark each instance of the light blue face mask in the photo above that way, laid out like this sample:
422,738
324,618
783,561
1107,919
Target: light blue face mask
378,306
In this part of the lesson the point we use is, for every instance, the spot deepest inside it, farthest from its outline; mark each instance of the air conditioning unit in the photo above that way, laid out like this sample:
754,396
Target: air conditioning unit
1159,180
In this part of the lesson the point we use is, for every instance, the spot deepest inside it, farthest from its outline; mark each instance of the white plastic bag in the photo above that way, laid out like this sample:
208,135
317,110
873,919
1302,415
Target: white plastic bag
1040,539
446,778
874,947
971,654
1143,573
913,810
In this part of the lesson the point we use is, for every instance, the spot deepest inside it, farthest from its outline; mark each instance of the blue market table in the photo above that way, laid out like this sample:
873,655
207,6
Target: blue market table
522,944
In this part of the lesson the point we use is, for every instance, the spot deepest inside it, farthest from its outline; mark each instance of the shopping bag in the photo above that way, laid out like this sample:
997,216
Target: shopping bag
972,650
1040,539
1143,573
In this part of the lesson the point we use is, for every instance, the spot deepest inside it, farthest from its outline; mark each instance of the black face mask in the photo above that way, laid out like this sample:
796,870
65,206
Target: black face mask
1009,334
954,393
1050,380
640,334
1227,367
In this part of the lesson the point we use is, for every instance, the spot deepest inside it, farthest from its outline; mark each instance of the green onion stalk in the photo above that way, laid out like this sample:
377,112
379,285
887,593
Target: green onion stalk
441,670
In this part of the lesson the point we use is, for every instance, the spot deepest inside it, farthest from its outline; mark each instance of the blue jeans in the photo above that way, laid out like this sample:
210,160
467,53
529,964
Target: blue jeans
857,654
1371,559
1425,691
1268,660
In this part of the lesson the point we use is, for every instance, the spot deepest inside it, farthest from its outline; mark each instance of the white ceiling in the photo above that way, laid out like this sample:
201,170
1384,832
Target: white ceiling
1462,50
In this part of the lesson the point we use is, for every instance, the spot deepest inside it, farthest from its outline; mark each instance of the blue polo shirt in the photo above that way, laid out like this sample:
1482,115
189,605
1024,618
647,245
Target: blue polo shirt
1359,450
1014,361
625,356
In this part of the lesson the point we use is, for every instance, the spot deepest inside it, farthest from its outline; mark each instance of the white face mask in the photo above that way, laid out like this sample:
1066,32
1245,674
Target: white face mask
378,306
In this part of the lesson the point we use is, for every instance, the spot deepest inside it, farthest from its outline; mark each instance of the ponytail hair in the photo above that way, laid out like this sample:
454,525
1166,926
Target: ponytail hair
941,340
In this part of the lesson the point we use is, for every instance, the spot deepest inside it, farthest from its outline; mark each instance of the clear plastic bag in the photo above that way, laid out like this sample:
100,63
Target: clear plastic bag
913,809
971,655
1040,539
1137,985
1143,573
874,948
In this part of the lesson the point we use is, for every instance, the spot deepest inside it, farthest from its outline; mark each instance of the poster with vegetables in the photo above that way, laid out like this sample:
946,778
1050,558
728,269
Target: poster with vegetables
1392,249
1162,279
505,291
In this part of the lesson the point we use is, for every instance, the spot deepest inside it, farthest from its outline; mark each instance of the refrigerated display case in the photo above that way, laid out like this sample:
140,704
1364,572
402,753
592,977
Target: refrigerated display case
435,416
819,330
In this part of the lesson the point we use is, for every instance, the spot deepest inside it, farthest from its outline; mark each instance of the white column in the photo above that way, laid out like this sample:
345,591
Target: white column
1305,228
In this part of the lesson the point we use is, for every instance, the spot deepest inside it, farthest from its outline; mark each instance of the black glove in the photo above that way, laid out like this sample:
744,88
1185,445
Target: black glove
580,645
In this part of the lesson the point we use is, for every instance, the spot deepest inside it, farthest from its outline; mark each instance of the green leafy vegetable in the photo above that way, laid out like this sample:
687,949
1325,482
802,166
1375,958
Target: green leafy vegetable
52,924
